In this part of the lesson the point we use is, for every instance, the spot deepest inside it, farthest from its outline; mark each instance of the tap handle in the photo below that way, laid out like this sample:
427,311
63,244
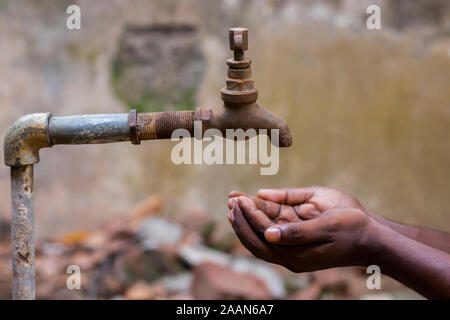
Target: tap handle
238,42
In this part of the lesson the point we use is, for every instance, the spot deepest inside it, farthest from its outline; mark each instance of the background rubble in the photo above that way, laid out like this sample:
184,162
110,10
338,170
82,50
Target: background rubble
128,258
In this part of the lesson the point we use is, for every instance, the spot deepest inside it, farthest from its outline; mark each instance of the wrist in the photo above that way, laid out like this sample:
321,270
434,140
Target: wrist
397,227
375,242
378,218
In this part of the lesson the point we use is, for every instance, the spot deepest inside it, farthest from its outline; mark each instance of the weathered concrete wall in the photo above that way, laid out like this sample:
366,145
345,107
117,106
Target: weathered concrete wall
369,111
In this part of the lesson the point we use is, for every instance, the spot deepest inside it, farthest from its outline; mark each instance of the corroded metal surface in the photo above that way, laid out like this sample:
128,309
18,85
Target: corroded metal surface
239,96
245,116
22,232
160,125
35,131
239,87
89,129
24,139
238,38
132,123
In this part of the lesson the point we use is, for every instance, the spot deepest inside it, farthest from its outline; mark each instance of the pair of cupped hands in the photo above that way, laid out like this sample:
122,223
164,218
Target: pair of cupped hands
303,229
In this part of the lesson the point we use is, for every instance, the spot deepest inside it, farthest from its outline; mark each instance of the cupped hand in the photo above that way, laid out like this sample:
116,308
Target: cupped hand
309,202
297,204
336,237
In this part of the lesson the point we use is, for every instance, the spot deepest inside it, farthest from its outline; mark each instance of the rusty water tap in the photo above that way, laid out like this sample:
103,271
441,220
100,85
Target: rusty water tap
240,110
32,132
239,96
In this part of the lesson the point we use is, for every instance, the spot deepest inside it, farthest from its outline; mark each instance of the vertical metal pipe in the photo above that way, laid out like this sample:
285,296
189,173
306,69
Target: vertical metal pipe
22,231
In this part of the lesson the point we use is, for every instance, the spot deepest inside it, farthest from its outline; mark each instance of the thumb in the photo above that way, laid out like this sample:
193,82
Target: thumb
298,233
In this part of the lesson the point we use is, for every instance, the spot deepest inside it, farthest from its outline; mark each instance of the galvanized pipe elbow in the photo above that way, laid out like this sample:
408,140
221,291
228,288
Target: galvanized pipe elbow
25,138
32,132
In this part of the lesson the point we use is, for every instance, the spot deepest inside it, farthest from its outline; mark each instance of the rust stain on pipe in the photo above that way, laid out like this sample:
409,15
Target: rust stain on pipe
22,232
160,125
24,139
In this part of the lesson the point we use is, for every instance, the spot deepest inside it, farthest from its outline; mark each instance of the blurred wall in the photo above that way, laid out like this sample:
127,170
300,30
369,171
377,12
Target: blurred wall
369,110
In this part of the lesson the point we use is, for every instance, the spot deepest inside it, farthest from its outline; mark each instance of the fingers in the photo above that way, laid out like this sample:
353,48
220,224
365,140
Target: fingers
286,213
306,211
230,216
248,237
257,219
234,194
271,209
290,196
299,233
230,203
277,212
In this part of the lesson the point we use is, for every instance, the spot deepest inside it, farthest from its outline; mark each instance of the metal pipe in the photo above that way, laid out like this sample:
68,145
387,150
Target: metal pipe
32,132
22,232
160,125
93,128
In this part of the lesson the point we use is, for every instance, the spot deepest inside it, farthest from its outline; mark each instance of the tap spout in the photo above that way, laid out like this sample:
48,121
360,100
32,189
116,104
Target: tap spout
245,116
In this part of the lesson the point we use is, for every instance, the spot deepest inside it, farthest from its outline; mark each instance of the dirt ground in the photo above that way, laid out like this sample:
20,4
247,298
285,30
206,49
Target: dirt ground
144,256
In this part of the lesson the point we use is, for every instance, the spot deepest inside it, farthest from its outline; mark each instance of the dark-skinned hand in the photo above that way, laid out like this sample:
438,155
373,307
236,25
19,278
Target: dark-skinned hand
279,234
308,229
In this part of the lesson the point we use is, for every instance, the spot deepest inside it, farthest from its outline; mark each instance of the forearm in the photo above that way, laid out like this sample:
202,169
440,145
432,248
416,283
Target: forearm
420,267
436,239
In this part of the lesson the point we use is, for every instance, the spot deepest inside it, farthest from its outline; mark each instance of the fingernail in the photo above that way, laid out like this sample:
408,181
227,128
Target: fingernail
241,203
273,234
242,200
230,203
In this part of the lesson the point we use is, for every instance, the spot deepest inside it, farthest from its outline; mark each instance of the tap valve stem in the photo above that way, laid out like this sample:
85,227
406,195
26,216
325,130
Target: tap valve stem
239,83
238,42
